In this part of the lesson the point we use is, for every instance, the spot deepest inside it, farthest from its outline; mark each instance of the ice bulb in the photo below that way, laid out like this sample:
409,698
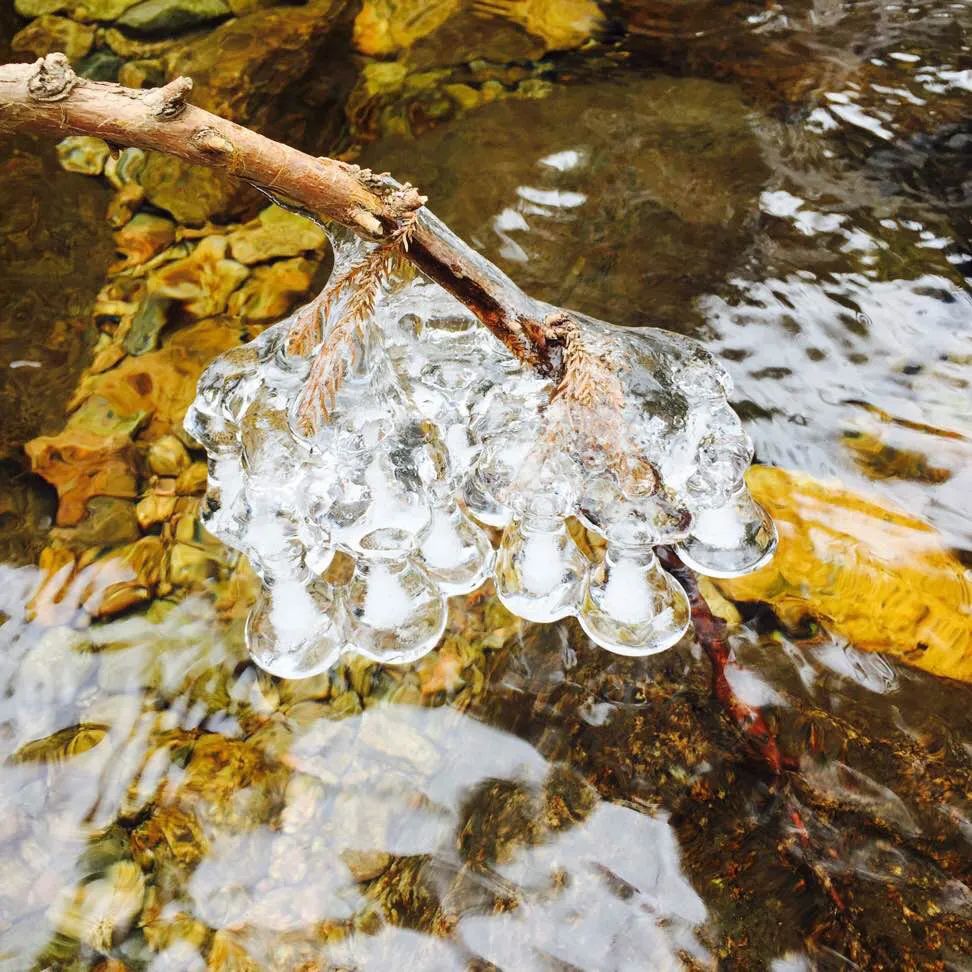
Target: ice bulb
396,612
539,569
456,552
295,630
730,540
630,605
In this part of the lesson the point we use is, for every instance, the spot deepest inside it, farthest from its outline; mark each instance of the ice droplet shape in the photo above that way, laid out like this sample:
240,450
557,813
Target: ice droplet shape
539,570
295,631
456,552
396,612
730,540
631,606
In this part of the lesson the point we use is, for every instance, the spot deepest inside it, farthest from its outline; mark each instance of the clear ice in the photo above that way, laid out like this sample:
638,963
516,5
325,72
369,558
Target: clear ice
436,430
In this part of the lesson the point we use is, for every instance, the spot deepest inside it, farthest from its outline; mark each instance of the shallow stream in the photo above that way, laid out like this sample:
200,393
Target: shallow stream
787,181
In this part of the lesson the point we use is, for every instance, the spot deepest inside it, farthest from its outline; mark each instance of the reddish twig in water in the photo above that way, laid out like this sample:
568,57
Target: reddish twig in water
711,632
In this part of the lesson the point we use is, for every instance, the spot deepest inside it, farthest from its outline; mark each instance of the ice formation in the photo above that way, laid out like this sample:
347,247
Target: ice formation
437,430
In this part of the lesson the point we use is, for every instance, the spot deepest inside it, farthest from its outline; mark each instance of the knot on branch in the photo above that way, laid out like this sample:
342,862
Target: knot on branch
212,143
169,100
52,79
400,201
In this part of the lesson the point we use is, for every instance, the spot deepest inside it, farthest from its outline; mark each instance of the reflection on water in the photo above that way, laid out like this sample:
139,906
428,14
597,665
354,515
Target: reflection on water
788,181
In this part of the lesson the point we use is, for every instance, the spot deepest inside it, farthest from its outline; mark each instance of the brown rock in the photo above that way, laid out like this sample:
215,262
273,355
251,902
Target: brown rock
191,193
275,233
141,238
190,566
82,154
239,67
161,384
192,480
92,456
154,509
167,456
882,579
127,576
108,521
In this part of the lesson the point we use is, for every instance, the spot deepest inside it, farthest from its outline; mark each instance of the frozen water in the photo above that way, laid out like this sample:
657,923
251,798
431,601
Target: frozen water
432,425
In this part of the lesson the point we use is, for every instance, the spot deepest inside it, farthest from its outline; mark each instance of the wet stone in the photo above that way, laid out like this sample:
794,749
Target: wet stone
275,233
167,456
143,237
191,193
49,33
171,16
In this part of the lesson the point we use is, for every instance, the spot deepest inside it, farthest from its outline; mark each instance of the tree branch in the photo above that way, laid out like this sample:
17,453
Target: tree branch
48,98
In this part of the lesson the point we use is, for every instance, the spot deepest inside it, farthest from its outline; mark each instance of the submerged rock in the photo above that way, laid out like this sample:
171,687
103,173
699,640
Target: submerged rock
275,233
99,912
167,456
242,65
455,30
49,33
83,154
191,193
141,238
92,456
202,281
62,745
272,291
171,16
88,10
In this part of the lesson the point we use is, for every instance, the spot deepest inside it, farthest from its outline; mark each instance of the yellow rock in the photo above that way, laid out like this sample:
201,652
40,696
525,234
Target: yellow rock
167,456
203,280
228,955
128,575
83,154
141,238
383,27
191,193
272,291
92,456
240,66
153,509
190,566
162,383
99,912
560,24
882,579
170,832
50,33
62,745
192,480
275,233
881,460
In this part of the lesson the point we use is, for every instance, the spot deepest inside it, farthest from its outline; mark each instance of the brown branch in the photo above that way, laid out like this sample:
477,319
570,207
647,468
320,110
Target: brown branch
48,98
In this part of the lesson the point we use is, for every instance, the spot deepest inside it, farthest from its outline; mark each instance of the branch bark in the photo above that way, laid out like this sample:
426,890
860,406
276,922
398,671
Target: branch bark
48,98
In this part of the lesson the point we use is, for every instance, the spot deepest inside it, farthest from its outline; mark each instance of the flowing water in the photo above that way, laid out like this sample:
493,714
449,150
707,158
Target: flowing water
790,183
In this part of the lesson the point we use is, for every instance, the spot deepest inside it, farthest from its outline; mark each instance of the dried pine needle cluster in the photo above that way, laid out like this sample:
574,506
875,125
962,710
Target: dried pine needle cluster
587,407
359,286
